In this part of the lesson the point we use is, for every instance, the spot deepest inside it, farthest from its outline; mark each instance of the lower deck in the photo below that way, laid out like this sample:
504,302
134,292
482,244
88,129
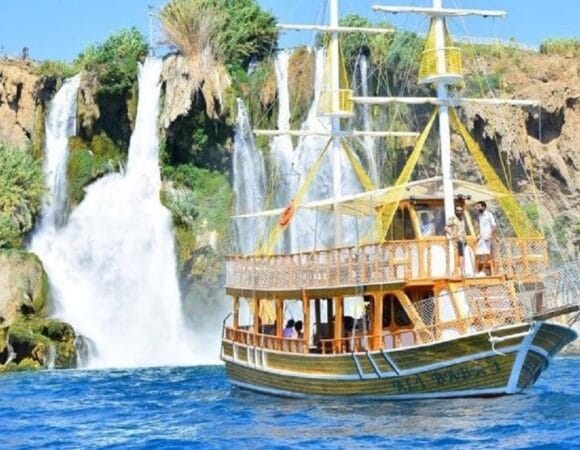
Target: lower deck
502,361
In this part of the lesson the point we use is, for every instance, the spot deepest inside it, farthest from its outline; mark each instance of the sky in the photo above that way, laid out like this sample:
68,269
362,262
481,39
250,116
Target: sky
61,29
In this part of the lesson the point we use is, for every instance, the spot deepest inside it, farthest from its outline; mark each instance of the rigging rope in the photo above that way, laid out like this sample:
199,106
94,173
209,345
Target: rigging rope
387,211
361,173
510,206
268,244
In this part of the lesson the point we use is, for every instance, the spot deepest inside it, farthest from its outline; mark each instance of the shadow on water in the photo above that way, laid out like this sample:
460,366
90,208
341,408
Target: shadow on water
196,407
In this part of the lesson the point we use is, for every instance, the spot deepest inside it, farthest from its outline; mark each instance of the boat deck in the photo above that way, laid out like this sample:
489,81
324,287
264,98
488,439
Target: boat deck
386,263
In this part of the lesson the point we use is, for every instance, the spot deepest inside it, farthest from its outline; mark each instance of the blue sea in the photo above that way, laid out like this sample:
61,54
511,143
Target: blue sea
166,408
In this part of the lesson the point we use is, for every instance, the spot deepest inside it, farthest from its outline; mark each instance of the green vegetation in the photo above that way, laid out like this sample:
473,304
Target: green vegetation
57,69
532,212
200,194
230,31
86,163
115,60
477,85
200,201
21,192
566,47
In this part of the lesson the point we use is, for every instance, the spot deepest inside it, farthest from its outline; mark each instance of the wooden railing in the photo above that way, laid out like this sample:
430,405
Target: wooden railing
520,258
266,341
475,309
376,263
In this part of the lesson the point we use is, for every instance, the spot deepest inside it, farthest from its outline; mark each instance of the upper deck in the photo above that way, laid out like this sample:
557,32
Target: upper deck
404,261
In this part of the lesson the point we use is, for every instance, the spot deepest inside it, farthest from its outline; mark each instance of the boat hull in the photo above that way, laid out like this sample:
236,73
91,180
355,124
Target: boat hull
503,361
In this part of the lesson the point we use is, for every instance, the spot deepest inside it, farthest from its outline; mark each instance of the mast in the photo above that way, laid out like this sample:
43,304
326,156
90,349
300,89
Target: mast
442,77
444,129
335,124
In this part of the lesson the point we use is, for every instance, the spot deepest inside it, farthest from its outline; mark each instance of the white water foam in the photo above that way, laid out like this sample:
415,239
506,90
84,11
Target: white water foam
249,182
112,267
60,125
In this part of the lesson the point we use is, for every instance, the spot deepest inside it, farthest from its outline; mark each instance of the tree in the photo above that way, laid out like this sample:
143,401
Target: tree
115,60
21,191
230,31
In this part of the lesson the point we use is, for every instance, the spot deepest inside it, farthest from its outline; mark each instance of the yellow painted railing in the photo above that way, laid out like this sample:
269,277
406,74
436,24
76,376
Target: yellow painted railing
428,66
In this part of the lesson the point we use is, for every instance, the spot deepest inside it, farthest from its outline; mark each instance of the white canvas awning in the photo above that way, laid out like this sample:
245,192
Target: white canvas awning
366,203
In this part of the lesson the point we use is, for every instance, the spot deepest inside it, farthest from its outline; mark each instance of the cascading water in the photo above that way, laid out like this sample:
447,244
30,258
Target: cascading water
316,229
249,182
364,111
282,149
112,267
60,125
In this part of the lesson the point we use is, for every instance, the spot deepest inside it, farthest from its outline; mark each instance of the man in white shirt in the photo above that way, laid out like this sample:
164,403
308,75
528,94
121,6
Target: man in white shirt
487,228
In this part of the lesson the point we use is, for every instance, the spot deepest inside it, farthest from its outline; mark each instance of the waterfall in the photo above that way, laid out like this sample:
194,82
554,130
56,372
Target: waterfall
249,182
112,267
315,229
282,149
364,111
60,125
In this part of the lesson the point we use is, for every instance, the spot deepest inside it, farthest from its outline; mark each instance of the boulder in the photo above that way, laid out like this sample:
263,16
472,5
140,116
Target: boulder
23,285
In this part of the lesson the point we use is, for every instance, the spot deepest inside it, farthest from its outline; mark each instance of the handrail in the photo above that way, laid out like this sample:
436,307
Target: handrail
267,341
392,261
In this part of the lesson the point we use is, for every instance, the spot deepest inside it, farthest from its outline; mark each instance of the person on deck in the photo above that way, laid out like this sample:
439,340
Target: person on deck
427,224
487,229
289,331
298,329
455,230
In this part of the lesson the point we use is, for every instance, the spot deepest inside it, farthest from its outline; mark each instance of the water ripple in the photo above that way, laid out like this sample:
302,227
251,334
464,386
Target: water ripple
196,408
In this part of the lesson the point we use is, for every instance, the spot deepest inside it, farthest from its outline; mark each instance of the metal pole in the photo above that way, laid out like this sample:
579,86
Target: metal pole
444,133
336,150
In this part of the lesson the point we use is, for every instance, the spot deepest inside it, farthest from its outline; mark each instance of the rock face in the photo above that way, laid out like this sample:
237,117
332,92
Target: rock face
28,339
19,87
537,140
23,286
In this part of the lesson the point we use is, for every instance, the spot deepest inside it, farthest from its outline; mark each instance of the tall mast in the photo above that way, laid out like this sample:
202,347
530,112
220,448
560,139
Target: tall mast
335,123
442,77
444,130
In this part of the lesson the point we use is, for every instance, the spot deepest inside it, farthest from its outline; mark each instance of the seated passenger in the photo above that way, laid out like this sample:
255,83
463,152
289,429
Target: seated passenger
289,331
427,224
298,329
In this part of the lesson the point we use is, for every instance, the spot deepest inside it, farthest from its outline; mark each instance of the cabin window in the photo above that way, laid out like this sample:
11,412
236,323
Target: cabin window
394,313
387,313
431,220
402,227
401,317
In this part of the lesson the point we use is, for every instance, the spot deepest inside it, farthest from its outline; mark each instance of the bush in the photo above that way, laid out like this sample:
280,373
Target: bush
200,201
561,47
56,69
478,85
115,60
21,191
86,163
229,30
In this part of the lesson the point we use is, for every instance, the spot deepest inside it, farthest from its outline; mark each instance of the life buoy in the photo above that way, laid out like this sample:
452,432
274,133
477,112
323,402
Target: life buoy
286,216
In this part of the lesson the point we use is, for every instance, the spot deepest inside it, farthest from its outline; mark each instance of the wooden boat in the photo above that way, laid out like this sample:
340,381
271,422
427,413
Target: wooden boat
397,316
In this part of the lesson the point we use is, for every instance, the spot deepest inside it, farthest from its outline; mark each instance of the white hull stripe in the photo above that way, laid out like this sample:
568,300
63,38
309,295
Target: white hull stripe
521,357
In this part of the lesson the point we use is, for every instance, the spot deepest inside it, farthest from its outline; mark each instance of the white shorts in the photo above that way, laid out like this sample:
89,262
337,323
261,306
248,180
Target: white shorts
483,247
